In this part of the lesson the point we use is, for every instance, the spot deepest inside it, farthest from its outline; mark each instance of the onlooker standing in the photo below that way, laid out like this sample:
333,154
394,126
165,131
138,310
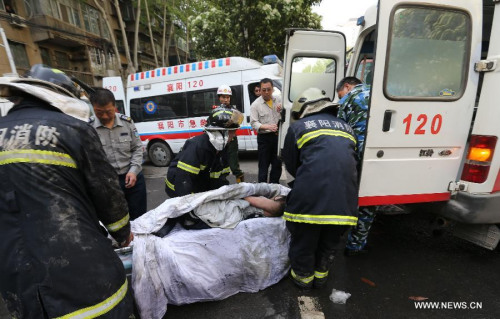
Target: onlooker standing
123,148
264,118
224,93
319,151
354,100
55,187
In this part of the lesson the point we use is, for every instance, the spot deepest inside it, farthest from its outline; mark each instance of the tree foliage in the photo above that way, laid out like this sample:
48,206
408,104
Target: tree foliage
249,28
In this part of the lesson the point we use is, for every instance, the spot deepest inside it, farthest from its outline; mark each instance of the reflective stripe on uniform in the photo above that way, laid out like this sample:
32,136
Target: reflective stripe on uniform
321,219
318,274
305,280
101,308
36,156
170,185
118,225
218,174
188,168
308,136
223,111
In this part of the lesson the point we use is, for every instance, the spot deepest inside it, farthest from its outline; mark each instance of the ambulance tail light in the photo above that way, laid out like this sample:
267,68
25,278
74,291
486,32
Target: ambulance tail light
478,161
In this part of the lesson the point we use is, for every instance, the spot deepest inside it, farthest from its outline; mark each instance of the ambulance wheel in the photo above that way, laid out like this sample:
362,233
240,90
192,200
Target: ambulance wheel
160,154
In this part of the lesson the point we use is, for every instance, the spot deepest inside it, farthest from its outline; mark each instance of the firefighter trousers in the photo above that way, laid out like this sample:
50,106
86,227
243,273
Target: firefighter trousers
312,247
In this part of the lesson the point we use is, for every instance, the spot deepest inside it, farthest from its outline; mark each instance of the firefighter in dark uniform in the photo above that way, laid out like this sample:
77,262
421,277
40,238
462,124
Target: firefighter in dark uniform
55,187
202,164
320,152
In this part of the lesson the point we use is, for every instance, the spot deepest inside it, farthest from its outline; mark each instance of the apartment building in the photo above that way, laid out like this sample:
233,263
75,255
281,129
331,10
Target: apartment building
72,35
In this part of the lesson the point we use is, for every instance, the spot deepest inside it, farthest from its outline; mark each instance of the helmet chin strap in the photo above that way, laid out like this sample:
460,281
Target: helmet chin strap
218,139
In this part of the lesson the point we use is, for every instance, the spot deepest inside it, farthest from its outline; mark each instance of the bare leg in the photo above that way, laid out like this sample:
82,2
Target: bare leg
271,207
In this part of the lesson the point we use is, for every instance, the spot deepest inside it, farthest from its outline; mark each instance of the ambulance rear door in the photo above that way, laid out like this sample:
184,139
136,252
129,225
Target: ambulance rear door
422,99
313,58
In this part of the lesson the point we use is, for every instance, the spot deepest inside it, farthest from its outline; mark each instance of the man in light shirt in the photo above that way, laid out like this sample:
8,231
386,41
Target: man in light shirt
264,118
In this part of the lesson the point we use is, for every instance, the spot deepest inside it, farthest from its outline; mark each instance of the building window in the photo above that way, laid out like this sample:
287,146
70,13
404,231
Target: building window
91,19
62,60
69,12
44,52
18,51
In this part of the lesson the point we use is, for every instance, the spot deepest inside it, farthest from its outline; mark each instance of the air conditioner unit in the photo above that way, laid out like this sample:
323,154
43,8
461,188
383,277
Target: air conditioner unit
17,21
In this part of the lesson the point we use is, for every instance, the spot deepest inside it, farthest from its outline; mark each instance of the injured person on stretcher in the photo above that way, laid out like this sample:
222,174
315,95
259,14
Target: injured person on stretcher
233,253
227,214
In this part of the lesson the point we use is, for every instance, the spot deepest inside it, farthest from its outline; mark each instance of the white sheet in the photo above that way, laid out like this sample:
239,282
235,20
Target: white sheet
187,266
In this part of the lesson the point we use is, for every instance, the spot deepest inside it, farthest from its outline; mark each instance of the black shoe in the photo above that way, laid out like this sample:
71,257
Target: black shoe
301,284
320,282
355,252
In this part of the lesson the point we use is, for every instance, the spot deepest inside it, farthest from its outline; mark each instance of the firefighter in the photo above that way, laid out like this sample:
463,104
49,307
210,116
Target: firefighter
224,94
320,152
202,163
55,187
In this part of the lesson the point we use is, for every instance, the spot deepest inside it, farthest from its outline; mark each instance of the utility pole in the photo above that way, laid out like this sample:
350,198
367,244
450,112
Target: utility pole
9,54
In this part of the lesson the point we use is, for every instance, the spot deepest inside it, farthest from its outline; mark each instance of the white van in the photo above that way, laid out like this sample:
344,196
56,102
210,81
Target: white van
171,104
434,111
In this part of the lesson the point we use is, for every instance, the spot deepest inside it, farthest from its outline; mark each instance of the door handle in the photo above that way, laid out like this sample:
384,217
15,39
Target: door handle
386,125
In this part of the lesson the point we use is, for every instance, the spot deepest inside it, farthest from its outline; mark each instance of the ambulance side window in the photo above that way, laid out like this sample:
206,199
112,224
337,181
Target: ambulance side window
312,72
200,102
157,108
428,53
237,97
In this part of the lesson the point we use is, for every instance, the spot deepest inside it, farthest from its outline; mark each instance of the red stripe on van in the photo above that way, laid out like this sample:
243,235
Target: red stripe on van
164,71
142,75
496,187
153,74
187,67
213,63
200,66
175,69
228,61
403,199
131,77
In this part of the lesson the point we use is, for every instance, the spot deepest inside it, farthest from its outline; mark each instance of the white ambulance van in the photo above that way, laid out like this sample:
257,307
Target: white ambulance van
171,104
433,122
115,85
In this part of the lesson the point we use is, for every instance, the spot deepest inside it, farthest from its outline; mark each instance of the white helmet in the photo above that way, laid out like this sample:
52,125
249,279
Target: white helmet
224,90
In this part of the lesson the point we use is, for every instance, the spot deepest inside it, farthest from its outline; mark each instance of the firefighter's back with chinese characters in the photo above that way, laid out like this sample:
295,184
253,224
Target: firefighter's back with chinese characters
55,187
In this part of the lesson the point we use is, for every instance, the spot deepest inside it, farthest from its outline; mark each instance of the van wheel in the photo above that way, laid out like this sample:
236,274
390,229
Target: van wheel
160,154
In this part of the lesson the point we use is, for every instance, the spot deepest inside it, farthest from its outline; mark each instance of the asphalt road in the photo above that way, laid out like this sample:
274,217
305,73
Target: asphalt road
410,257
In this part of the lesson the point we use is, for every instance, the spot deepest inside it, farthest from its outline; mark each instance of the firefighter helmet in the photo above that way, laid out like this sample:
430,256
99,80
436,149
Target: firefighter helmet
223,118
224,90
45,76
312,100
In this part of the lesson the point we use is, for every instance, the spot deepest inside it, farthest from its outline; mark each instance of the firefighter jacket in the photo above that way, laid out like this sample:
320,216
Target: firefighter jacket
320,152
197,168
55,187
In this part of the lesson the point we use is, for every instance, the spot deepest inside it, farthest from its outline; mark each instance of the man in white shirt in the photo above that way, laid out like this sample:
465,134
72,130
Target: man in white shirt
264,118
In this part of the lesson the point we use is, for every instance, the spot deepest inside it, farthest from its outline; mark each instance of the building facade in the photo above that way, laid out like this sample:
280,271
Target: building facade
73,36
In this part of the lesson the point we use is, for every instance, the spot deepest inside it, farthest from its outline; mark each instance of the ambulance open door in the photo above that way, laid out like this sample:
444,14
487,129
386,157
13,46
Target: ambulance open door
313,58
422,99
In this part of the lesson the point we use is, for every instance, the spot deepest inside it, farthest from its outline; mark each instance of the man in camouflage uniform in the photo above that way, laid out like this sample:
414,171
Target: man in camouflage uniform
354,99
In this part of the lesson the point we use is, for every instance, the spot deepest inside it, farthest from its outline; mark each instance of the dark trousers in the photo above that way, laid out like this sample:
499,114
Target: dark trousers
136,196
312,247
234,164
268,155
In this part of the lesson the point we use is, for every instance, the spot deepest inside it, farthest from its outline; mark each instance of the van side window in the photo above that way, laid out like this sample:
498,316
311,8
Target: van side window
157,108
200,102
428,54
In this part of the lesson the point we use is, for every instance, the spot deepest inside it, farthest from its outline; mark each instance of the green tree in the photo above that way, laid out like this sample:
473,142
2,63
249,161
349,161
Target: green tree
249,28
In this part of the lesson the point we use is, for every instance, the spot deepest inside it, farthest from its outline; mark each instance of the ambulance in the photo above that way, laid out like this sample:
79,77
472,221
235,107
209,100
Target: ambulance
171,104
433,121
